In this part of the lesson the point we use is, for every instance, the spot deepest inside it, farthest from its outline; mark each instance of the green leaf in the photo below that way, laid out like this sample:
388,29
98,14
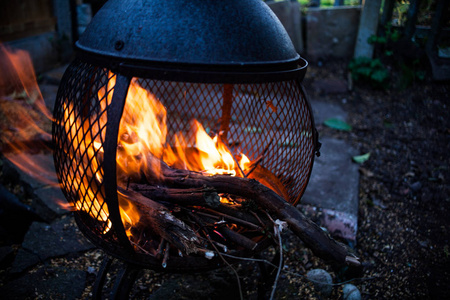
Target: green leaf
361,158
380,75
337,124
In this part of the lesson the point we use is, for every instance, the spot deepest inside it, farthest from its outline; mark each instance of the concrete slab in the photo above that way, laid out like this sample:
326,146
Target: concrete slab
289,14
47,283
325,110
333,188
331,32
43,241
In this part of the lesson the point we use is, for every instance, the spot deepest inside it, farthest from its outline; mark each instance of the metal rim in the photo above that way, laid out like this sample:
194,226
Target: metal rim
202,73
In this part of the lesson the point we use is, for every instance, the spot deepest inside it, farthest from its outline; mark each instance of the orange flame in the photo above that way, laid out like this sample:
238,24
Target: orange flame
143,140
144,143
26,121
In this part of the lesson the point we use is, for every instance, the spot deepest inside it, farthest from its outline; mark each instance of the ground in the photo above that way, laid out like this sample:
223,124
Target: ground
403,235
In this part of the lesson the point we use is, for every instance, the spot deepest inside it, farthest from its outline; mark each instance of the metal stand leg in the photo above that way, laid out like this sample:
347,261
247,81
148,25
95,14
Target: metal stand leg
124,281
100,280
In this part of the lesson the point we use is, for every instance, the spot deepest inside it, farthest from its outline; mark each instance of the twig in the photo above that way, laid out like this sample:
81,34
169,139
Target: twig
140,248
160,250
229,265
166,255
217,214
260,158
277,232
235,161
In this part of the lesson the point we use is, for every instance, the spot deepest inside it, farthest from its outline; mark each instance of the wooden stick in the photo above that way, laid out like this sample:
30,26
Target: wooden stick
310,233
159,219
191,197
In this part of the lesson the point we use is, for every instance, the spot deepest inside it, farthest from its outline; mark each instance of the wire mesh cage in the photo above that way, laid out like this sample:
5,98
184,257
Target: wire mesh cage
269,122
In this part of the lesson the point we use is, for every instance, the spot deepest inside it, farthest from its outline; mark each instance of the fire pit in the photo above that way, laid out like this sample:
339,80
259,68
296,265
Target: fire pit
182,131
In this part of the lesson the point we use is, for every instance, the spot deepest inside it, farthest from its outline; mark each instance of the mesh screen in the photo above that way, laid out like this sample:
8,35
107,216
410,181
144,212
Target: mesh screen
78,133
269,121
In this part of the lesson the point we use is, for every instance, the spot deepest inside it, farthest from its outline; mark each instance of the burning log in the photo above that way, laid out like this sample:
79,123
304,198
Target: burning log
310,233
158,218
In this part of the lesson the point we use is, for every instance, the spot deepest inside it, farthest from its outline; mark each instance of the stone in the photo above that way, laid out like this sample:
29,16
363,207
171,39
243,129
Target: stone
324,110
331,32
36,170
46,283
6,256
44,241
289,14
15,217
334,188
54,76
351,292
38,176
330,86
42,50
322,281
54,199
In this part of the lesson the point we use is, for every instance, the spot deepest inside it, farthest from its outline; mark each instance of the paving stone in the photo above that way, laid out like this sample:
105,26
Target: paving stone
333,187
325,110
6,256
37,170
330,86
40,181
54,199
46,283
43,241
15,217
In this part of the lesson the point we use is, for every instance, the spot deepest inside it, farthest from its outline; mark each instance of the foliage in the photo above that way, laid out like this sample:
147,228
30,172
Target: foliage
361,158
400,10
328,3
338,124
393,55
371,71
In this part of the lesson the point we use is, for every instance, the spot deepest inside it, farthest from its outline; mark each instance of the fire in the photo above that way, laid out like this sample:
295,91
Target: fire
144,142
25,120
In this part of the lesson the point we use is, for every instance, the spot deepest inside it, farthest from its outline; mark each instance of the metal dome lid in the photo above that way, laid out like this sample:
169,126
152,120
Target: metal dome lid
232,36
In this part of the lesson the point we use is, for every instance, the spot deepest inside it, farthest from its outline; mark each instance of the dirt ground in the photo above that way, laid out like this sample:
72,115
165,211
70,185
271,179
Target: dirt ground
403,235
403,230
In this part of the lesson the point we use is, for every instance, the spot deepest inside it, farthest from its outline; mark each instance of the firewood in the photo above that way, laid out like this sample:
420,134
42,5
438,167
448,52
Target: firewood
159,219
310,233
192,197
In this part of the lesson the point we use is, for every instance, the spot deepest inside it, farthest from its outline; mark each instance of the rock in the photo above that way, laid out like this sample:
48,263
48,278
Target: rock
351,292
6,256
59,283
334,187
43,241
15,217
330,86
322,281
416,186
